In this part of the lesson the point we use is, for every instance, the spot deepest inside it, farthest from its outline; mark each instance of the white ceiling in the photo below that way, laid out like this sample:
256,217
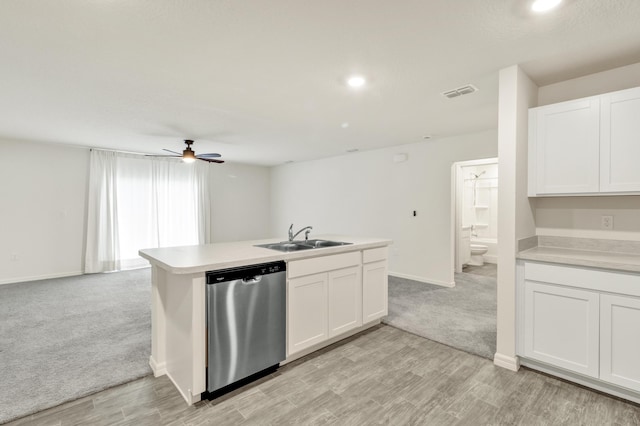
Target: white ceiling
263,81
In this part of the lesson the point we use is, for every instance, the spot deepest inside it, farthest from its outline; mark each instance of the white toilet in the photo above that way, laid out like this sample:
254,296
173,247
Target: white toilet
477,250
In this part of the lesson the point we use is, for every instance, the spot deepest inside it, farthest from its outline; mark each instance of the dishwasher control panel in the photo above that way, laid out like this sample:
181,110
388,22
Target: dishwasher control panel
242,272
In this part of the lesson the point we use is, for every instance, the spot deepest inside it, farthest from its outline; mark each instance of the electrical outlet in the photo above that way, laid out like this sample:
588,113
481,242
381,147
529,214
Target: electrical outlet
607,222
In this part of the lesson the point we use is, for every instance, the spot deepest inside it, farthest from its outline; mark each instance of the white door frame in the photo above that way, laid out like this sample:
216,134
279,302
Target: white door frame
457,181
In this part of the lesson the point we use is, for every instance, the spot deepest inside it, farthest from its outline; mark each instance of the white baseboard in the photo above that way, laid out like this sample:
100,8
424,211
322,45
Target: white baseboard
307,351
585,381
190,399
509,362
159,369
40,277
423,280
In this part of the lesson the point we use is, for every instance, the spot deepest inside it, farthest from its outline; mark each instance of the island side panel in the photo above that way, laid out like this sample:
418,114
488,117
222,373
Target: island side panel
185,334
199,335
157,360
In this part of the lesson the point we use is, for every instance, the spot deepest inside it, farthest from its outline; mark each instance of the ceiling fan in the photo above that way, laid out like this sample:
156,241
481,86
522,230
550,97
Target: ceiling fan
189,156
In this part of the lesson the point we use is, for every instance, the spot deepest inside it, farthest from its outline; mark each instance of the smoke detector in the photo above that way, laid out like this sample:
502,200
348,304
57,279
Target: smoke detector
464,90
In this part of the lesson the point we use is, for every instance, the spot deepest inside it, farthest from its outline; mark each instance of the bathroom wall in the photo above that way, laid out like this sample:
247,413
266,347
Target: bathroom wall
480,206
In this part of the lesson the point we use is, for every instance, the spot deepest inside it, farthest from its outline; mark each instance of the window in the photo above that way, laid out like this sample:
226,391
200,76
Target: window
138,202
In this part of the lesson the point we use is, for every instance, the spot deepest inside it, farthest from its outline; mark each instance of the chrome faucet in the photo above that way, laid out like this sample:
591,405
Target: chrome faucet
306,234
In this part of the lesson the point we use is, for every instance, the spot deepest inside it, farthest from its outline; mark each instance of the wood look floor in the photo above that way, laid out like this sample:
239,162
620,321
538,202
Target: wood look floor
382,376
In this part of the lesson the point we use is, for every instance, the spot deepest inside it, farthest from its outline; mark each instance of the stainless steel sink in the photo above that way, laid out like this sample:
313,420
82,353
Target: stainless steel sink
323,243
287,246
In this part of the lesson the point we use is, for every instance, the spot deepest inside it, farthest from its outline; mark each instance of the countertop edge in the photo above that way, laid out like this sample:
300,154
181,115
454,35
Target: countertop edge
267,257
576,261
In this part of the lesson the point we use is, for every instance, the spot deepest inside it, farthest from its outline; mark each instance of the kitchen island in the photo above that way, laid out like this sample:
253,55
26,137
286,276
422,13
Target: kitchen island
345,287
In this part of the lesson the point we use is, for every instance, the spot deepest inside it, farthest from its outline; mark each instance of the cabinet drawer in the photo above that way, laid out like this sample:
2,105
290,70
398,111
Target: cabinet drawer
593,279
374,255
298,268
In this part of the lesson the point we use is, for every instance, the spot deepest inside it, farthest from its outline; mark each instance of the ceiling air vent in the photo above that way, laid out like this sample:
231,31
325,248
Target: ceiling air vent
464,90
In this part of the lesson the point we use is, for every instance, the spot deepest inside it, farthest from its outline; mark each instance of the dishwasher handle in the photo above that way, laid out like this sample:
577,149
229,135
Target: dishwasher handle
252,280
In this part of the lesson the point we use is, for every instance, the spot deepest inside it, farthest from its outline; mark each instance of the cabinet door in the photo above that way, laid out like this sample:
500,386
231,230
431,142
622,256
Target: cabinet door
620,141
561,327
374,291
566,138
620,340
345,300
307,312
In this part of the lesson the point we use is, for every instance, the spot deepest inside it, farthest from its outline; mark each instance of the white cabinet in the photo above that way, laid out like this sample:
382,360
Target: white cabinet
620,141
581,320
375,284
561,327
345,300
307,311
586,146
329,296
566,148
375,291
324,299
620,340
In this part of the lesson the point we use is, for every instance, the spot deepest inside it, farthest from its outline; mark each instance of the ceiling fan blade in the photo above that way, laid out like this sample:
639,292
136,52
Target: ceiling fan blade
173,152
165,156
209,155
210,160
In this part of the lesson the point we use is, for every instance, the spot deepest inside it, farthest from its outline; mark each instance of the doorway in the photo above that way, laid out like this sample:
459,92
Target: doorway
475,222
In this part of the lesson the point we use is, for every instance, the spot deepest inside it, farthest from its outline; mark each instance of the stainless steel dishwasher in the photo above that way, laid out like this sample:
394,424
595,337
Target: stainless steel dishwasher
246,310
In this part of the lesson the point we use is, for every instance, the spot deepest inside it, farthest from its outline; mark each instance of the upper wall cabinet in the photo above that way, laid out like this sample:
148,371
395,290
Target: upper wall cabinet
620,141
588,146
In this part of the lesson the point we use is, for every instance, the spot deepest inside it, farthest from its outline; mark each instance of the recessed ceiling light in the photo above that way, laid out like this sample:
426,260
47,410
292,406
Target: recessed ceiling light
426,137
544,5
344,125
352,150
356,81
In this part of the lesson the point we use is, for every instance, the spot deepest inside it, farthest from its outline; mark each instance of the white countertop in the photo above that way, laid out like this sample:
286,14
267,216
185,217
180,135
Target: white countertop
210,257
628,262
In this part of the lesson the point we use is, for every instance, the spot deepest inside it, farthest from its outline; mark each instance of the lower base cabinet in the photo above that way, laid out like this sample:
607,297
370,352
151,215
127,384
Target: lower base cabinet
375,290
561,327
620,340
307,316
331,295
582,320
345,300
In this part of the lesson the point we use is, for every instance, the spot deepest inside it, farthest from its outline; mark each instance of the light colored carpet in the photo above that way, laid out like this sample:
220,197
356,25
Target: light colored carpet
463,317
64,338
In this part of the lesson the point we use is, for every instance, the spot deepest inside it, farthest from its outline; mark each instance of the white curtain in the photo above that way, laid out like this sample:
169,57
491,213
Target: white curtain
138,202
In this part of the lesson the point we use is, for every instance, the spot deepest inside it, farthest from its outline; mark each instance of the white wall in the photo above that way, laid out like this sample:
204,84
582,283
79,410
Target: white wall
581,216
43,193
515,212
589,85
240,202
42,210
368,194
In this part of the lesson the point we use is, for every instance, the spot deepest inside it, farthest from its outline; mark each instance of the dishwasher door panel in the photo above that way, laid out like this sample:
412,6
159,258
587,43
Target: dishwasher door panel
246,327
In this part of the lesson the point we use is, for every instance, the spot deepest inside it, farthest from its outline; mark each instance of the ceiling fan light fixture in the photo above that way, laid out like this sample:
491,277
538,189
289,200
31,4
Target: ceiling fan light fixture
188,156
